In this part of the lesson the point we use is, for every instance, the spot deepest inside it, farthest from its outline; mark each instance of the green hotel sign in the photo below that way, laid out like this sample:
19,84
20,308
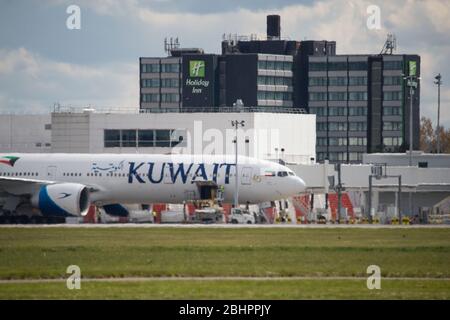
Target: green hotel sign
412,68
197,68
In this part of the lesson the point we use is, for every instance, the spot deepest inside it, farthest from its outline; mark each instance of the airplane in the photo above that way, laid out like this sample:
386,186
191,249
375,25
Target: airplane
67,184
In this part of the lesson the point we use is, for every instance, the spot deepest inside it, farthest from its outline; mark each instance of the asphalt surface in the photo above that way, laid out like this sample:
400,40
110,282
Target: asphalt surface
223,226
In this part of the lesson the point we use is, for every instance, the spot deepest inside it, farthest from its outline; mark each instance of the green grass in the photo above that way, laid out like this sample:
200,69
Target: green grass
179,289
123,252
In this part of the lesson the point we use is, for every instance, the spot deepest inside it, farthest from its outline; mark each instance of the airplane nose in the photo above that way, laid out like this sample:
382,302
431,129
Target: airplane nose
301,185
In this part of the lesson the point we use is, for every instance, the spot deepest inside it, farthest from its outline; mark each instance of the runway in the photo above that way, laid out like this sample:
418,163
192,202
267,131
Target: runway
230,226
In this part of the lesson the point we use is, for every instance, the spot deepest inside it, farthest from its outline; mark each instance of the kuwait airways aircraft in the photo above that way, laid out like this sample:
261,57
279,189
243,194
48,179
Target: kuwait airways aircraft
66,184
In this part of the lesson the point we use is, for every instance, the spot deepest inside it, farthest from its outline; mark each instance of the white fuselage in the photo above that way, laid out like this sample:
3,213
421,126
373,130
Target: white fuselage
156,178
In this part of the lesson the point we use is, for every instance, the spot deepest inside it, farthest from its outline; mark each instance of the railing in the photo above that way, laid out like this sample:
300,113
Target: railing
291,110
79,109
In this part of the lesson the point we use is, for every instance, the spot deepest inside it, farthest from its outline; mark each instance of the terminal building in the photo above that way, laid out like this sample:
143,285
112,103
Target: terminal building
362,102
264,135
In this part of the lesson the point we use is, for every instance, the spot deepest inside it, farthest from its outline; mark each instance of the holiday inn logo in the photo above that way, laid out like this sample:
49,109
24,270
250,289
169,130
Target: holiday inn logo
9,160
197,68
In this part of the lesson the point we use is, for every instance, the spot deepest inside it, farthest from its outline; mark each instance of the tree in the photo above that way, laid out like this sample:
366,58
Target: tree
428,141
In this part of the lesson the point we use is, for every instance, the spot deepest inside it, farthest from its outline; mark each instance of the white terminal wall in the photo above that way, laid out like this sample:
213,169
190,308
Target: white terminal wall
25,133
206,133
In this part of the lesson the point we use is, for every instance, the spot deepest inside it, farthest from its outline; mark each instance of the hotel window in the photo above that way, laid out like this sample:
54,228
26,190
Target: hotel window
169,97
392,81
321,156
287,96
336,66
392,95
357,81
321,141
393,141
338,141
262,64
392,111
358,126
150,97
319,111
317,81
357,111
337,126
355,156
279,81
150,68
150,83
357,141
287,65
393,65
317,66
357,96
337,96
170,83
321,126
392,126
338,156
278,65
170,68
337,81
357,65
337,111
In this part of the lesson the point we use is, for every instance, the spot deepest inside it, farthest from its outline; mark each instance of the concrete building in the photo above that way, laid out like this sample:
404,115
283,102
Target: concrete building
264,136
25,133
160,83
362,104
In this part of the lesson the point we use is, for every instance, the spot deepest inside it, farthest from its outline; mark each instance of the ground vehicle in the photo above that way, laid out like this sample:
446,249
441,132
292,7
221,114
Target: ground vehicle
208,215
240,216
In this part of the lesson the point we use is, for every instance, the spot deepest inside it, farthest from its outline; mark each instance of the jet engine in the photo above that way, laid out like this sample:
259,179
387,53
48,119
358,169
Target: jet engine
62,199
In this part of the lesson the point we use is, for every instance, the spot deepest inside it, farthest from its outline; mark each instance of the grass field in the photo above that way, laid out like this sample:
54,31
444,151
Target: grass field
42,253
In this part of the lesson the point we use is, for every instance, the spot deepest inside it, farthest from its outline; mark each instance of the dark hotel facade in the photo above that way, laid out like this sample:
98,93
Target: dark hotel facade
361,102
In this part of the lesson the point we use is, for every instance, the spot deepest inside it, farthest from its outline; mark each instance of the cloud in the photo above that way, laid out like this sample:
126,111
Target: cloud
30,82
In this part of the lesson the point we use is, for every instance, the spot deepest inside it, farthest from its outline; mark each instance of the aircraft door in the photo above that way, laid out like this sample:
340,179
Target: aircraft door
246,175
51,172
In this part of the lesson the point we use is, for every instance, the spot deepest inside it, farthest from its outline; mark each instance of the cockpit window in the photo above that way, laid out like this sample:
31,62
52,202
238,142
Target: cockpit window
291,173
282,173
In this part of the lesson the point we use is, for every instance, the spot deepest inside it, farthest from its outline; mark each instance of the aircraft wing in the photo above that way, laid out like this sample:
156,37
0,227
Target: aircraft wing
23,186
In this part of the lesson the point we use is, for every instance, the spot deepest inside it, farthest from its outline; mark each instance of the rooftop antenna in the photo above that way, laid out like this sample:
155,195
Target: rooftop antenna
390,45
170,44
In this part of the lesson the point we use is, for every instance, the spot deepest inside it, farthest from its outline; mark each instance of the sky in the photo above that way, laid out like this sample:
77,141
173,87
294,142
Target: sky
42,62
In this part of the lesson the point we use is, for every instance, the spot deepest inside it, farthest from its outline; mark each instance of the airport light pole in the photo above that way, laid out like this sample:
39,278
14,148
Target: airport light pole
438,131
412,84
236,124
